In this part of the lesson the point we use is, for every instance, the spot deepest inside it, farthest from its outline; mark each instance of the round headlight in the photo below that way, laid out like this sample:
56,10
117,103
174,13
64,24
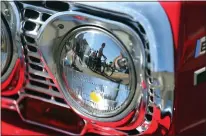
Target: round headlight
98,72
5,48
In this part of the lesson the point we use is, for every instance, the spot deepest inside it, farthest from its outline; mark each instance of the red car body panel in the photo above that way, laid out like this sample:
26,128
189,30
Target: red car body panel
188,22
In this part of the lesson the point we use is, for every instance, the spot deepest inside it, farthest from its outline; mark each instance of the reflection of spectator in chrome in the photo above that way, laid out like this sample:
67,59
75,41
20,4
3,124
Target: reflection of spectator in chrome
71,56
120,62
100,55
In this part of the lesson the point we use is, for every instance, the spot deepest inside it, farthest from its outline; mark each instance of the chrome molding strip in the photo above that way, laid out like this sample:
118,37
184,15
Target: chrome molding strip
198,72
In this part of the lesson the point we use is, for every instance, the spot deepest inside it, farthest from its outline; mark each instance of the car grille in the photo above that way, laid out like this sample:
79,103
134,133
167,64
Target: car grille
38,80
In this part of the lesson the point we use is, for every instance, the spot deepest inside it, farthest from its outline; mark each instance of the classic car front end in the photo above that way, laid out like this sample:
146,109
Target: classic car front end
108,68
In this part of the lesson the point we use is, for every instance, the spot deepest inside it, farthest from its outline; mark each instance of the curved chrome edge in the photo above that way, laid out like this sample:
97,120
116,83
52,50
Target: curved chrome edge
12,16
159,34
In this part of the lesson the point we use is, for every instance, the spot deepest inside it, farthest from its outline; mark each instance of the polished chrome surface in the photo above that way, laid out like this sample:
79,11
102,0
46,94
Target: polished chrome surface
97,70
129,41
5,48
198,72
38,80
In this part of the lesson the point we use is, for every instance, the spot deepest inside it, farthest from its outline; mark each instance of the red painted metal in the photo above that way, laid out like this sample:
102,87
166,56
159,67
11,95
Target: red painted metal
188,23
15,81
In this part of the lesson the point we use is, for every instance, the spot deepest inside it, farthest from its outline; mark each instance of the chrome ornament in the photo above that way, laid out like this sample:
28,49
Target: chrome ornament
97,69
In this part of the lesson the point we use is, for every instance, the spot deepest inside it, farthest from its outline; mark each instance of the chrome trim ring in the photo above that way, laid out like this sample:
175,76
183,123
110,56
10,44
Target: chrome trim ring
51,47
12,17
6,48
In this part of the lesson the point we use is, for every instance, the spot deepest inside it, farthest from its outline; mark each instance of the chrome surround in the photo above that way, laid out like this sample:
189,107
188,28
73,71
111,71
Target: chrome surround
159,35
197,72
51,47
12,17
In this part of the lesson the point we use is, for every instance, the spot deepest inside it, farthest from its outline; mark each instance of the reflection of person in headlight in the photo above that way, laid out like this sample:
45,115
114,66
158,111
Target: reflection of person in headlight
99,56
71,57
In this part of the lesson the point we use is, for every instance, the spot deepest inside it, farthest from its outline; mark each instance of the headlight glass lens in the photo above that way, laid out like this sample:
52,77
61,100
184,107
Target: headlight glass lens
98,71
5,48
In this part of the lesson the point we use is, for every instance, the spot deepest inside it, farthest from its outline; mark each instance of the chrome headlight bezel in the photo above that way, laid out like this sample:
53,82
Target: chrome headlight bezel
6,47
12,17
72,20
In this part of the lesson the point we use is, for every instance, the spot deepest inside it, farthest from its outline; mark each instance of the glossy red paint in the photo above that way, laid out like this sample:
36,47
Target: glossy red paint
15,81
11,124
190,27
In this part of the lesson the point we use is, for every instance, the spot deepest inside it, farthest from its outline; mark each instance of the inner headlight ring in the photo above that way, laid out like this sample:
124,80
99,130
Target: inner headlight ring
103,90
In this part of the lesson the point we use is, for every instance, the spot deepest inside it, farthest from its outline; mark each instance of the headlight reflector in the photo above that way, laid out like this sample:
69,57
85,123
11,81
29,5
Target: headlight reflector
98,70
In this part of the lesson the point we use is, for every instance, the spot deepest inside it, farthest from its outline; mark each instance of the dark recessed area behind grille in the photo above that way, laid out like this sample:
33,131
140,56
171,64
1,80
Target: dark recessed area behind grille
148,117
34,59
29,39
55,89
31,14
31,48
29,91
60,100
51,81
39,84
29,26
45,16
57,5
37,77
150,108
36,67
36,3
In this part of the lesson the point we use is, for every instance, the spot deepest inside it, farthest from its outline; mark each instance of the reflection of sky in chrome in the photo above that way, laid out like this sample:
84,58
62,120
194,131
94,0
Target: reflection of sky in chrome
95,40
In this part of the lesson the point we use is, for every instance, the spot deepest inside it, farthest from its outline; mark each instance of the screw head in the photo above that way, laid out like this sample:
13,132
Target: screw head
60,26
